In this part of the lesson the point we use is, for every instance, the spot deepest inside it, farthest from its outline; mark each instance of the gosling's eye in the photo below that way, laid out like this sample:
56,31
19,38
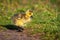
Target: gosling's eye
29,13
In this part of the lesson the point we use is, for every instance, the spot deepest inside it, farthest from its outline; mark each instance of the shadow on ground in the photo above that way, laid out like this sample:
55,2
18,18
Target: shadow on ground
12,27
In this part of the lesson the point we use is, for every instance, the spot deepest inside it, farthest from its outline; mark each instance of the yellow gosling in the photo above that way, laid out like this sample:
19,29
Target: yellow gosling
22,19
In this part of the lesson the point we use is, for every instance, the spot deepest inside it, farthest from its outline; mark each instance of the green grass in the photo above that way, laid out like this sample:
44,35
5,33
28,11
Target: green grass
45,19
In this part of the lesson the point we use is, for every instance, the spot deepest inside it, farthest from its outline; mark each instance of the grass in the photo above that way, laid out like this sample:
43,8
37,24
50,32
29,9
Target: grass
45,19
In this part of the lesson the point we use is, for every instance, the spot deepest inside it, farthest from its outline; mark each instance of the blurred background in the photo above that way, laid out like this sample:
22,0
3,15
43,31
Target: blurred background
46,16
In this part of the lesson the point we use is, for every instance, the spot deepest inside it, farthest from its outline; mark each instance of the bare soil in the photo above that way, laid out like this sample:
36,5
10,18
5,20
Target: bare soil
14,35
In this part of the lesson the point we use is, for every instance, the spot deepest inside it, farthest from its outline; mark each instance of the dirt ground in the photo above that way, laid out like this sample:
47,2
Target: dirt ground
14,35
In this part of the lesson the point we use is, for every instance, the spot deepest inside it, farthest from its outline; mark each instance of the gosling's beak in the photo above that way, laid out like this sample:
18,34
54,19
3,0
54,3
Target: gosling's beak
31,17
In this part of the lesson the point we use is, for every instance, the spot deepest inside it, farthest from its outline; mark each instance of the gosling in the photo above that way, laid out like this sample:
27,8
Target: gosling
22,18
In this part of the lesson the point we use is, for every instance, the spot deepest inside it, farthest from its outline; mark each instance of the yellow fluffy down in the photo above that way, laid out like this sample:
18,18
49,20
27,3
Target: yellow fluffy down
22,19
22,22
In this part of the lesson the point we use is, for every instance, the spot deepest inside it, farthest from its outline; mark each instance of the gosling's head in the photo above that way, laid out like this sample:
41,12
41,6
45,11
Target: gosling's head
29,13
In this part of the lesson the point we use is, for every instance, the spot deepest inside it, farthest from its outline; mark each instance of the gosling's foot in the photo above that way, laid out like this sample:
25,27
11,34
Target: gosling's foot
20,29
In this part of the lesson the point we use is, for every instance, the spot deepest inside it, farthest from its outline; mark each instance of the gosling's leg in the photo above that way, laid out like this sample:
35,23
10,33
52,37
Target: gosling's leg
20,29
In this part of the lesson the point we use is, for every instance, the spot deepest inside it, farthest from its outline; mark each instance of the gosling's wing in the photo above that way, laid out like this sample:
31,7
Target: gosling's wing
18,16
14,16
